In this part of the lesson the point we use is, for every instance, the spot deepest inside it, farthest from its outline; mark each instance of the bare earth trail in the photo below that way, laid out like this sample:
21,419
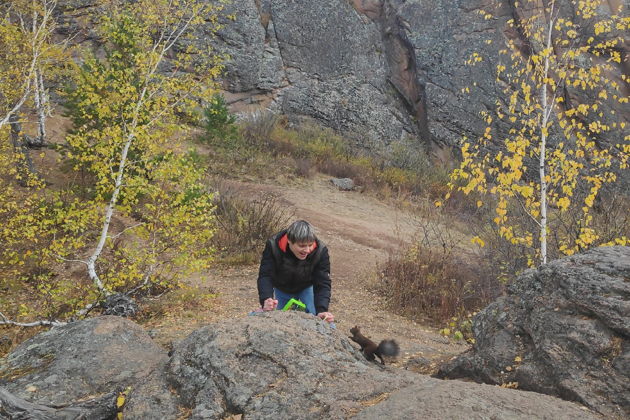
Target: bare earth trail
360,232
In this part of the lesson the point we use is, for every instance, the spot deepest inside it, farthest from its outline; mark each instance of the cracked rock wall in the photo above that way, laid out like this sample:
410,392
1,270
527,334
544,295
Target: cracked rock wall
376,71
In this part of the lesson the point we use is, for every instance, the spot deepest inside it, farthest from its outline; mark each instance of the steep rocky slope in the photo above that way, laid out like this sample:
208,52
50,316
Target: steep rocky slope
375,70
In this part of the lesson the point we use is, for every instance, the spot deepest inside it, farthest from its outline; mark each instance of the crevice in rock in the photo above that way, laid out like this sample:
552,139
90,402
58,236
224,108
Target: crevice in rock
102,407
401,60
275,34
517,31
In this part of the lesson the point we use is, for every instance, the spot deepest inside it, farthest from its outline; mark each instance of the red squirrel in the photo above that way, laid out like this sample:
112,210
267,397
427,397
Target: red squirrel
369,347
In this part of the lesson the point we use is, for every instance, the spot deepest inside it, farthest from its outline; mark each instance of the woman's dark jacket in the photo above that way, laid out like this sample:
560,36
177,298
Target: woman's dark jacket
281,269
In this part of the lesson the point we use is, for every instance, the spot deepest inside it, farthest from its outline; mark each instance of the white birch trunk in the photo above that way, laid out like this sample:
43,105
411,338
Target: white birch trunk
40,105
546,109
109,212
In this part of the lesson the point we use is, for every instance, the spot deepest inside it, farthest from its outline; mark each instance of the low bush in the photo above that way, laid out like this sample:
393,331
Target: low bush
244,224
219,123
304,168
428,283
435,278
256,128
341,169
460,328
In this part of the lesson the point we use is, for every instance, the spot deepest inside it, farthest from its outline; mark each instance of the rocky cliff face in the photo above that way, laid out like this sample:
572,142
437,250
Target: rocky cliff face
375,70
366,68
313,60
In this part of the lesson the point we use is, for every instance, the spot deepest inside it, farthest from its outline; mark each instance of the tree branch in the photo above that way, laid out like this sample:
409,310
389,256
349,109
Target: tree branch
125,229
41,323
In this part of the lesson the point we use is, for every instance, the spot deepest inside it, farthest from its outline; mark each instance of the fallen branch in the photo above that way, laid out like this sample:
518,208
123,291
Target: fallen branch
41,323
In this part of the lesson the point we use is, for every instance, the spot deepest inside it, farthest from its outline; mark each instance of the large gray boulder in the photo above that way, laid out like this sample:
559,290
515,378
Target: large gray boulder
563,329
275,365
90,360
287,365
80,359
281,365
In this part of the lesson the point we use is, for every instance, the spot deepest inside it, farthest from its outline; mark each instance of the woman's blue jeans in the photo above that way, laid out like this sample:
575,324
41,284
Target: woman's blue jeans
305,296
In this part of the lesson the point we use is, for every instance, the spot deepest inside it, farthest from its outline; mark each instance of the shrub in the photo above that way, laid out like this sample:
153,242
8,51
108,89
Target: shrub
460,328
219,123
256,128
434,277
304,168
322,144
246,223
339,169
411,155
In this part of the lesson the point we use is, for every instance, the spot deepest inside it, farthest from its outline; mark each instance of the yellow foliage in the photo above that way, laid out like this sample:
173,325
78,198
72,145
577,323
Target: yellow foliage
126,157
536,110
622,241
478,241
564,203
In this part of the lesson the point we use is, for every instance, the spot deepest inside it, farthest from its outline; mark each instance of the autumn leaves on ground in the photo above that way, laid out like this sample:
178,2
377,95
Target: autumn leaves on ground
360,231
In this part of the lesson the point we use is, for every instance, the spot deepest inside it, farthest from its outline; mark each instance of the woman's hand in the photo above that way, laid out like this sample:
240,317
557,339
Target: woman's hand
270,304
326,316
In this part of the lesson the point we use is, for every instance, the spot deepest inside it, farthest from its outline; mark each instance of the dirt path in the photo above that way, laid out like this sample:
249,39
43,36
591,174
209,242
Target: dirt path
359,231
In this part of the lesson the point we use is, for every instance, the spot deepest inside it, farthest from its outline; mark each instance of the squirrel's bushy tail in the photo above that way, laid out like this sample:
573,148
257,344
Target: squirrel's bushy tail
388,348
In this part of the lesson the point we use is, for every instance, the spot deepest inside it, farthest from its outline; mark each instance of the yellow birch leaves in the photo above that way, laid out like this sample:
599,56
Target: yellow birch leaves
558,122
163,218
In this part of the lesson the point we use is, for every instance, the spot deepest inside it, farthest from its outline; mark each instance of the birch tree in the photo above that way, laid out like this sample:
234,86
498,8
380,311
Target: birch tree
126,113
26,54
566,134
137,215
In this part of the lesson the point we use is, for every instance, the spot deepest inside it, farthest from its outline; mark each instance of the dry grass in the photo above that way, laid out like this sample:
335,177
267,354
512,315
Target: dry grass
244,223
438,276
267,140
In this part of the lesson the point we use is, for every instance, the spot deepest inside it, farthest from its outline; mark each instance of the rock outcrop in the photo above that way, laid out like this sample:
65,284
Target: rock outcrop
80,360
273,365
375,70
284,365
563,329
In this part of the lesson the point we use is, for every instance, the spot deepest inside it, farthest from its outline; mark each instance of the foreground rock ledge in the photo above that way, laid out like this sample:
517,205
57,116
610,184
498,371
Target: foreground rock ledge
275,365
563,329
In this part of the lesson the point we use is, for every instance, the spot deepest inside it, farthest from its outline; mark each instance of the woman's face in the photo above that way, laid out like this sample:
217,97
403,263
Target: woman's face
301,249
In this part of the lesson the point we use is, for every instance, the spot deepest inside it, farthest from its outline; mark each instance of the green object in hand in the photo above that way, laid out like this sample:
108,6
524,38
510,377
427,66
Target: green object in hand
294,305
